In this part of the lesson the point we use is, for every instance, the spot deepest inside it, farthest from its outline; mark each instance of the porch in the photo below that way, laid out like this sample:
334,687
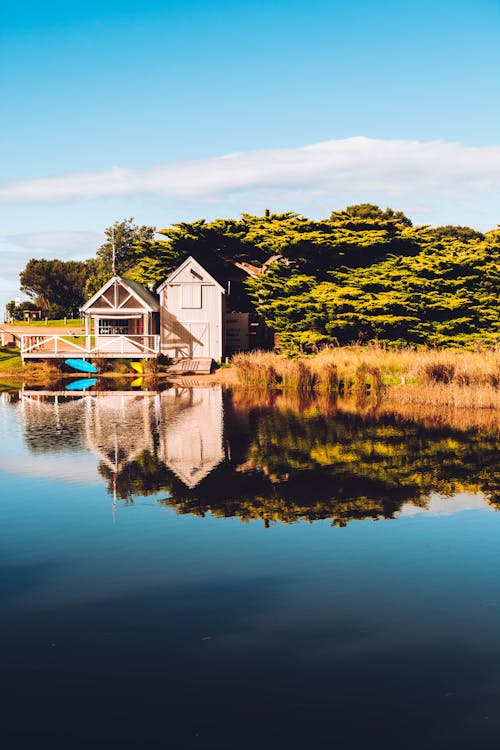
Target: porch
87,346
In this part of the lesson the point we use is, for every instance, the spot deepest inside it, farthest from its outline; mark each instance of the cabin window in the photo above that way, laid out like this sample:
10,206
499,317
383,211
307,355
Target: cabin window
191,295
113,327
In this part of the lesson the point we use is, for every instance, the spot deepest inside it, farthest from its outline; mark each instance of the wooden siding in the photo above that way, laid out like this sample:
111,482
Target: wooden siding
191,322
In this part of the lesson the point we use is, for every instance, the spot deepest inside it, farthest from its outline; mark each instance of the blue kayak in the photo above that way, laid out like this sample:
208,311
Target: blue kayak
81,385
81,365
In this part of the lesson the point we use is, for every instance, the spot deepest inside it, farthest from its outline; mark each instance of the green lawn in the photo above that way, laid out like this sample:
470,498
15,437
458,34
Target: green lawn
74,322
10,359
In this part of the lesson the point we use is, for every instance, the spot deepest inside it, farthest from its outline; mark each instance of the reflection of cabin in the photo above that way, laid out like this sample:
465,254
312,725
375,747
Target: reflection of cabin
116,426
191,433
119,428
182,427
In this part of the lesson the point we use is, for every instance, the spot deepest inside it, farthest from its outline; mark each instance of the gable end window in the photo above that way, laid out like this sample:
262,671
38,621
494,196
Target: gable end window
191,295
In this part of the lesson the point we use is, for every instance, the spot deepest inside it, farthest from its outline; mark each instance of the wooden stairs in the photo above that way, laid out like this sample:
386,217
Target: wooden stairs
191,366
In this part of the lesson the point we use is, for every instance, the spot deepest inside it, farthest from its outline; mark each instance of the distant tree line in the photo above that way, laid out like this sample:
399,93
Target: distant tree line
362,274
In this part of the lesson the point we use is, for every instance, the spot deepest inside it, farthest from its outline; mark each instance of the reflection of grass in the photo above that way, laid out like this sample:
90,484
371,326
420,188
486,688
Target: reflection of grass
10,359
41,372
12,385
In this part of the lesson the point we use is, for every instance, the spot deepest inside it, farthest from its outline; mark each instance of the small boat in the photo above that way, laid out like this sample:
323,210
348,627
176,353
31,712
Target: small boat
138,367
137,382
81,365
81,385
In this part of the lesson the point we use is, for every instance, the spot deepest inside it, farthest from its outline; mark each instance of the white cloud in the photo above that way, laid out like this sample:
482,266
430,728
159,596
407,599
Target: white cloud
70,244
332,168
441,505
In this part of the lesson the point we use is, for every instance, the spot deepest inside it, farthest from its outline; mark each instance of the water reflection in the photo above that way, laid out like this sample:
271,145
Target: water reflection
205,450
191,432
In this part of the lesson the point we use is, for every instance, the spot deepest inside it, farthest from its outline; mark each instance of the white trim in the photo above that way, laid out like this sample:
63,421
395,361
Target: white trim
36,345
121,306
98,294
118,279
198,266
117,316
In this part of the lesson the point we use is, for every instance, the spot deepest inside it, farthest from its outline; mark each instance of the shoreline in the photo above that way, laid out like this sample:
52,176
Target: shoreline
435,378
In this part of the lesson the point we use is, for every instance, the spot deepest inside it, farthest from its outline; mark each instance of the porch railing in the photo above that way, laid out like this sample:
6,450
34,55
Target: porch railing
43,345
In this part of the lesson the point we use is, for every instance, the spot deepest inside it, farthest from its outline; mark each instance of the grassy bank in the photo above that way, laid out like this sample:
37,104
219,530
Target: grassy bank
10,359
431,377
420,379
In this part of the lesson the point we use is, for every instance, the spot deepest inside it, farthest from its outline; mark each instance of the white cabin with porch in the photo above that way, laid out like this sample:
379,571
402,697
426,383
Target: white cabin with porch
186,320
123,320
192,307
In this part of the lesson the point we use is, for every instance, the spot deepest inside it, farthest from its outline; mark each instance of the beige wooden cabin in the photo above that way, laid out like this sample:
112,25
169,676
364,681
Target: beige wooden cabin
192,313
124,318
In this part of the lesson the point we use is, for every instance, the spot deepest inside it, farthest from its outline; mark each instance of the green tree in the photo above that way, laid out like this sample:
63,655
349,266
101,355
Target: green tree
56,286
397,284
131,242
364,273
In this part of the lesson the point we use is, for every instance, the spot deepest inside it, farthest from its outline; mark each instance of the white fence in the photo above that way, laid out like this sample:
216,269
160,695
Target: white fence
43,346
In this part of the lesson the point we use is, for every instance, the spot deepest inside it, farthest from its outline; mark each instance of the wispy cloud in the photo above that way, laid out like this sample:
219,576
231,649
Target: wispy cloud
70,244
17,249
337,168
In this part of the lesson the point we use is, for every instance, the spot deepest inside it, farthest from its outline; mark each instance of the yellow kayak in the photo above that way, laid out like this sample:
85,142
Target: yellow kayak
137,366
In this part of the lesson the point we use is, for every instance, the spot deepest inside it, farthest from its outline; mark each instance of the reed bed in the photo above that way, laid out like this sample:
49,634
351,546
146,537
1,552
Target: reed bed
436,417
450,377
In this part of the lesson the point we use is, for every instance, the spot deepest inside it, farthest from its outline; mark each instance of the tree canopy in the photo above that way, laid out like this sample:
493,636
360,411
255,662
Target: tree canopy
130,241
56,286
363,273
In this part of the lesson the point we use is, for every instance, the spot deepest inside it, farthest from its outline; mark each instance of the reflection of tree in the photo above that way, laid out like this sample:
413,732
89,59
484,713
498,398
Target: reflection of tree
54,427
299,463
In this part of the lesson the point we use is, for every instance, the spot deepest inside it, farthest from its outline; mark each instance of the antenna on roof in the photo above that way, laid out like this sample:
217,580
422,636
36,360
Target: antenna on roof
113,248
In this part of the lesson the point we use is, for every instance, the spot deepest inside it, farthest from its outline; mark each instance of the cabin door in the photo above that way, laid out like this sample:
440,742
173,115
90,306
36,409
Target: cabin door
200,342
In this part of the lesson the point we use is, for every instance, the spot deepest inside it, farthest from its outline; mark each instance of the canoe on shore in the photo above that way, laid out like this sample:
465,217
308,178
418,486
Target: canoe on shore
81,365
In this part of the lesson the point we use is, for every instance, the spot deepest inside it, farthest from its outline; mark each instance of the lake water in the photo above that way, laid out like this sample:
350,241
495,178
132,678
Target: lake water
207,569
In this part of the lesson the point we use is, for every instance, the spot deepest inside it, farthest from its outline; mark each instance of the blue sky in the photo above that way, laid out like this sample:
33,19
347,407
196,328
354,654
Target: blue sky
171,111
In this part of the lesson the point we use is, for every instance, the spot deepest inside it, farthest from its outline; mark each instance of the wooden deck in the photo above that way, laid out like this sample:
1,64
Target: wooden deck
47,346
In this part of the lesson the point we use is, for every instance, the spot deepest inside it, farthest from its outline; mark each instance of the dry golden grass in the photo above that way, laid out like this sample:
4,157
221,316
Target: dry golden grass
445,377
462,367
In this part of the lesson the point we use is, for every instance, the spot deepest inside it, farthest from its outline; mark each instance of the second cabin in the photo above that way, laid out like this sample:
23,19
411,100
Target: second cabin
192,311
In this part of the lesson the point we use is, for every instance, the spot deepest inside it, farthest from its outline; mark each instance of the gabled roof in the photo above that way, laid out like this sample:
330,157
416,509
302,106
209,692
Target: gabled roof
193,262
148,297
137,290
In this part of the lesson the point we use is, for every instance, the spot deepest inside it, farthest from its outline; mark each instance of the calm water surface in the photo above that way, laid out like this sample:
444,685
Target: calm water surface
194,569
